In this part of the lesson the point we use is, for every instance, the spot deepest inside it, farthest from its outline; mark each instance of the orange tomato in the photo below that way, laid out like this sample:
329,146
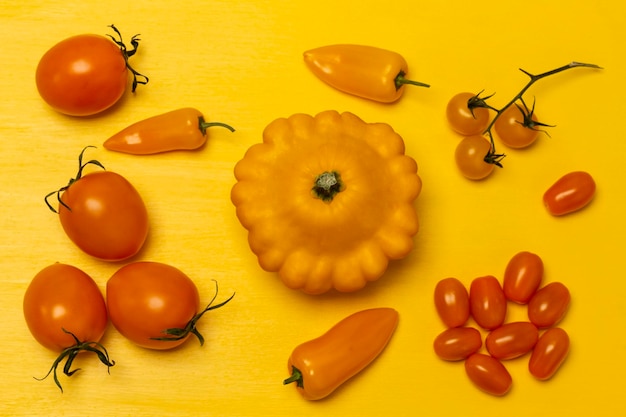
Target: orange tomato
452,302
470,156
466,120
549,353
488,374
522,277
570,193
487,302
511,340
549,305
511,129
457,343
154,305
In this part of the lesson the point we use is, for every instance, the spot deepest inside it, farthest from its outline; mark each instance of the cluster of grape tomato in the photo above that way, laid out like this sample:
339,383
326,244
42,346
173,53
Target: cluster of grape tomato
515,124
486,303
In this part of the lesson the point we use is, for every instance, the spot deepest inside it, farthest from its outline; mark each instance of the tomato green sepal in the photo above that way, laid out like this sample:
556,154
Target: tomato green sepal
134,41
178,333
296,376
70,353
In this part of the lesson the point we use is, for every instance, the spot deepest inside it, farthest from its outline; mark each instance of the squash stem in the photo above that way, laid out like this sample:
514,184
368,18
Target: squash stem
327,185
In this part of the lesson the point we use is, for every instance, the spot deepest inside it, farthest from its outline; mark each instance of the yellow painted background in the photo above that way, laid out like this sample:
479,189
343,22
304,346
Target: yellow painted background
240,63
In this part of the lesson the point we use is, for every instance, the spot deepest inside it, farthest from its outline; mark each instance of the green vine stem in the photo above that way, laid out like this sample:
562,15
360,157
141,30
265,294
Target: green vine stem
138,78
79,174
69,354
492,156
177,333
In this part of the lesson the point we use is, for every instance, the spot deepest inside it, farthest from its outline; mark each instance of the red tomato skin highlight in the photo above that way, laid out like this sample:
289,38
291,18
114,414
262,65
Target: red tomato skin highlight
452,302
522,277
61,297
487,302
67,80
488,374
549,304
512,340
549,353
570,193
457,343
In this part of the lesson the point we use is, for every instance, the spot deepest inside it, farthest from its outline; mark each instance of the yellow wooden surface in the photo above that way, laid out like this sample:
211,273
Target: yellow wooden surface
240,62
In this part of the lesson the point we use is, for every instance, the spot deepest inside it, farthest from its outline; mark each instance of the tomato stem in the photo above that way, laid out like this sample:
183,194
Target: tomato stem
400,81
138,78
494,158
70,353
79,174
177,333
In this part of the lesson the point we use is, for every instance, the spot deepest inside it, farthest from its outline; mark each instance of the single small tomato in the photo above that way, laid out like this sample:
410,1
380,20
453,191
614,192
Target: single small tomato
457,343
86,74
515,128
549,304
66,313
452,302
487,302
522,277
464,118
512,340
570,193
470,156
488,374
103,214
549,353
155,305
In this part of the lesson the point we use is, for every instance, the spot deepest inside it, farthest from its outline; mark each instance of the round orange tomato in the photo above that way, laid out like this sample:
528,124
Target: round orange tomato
512,130
60,299
85,74
470,157
464,120
154,305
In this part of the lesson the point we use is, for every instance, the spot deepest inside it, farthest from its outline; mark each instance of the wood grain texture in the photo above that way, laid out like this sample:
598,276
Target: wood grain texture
240,63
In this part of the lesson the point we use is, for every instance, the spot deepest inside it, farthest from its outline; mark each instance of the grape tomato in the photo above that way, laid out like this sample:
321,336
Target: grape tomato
487,302
452,302
549,304
522,277
570,193
457,343
549,353
488,374
511,340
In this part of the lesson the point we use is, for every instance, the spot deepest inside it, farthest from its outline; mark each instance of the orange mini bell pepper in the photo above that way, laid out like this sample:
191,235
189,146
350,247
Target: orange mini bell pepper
321,365
182,129
365,71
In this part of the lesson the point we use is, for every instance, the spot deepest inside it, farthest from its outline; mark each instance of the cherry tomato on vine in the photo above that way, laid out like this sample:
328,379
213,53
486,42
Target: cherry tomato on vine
488,374
549,353
470,157
155,305
465,119
65,312
452,302
86,74
549,305
522,277
102,213
570,193
512,340
457,343
512,131
487,302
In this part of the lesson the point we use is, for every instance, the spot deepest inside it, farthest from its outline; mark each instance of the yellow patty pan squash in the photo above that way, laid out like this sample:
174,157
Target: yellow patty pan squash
328,200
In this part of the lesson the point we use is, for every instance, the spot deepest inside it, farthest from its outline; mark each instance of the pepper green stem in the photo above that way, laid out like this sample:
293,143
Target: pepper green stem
296,376
327,185
204,125
400,81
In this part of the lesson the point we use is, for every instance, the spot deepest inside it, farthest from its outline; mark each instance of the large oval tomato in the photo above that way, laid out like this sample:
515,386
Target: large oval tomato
457,343
549,353
511,129
522,276
470,156
549,305
570,193
512,340
62,298
488,374
84,74
452,302
154,305
464,120
487,302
